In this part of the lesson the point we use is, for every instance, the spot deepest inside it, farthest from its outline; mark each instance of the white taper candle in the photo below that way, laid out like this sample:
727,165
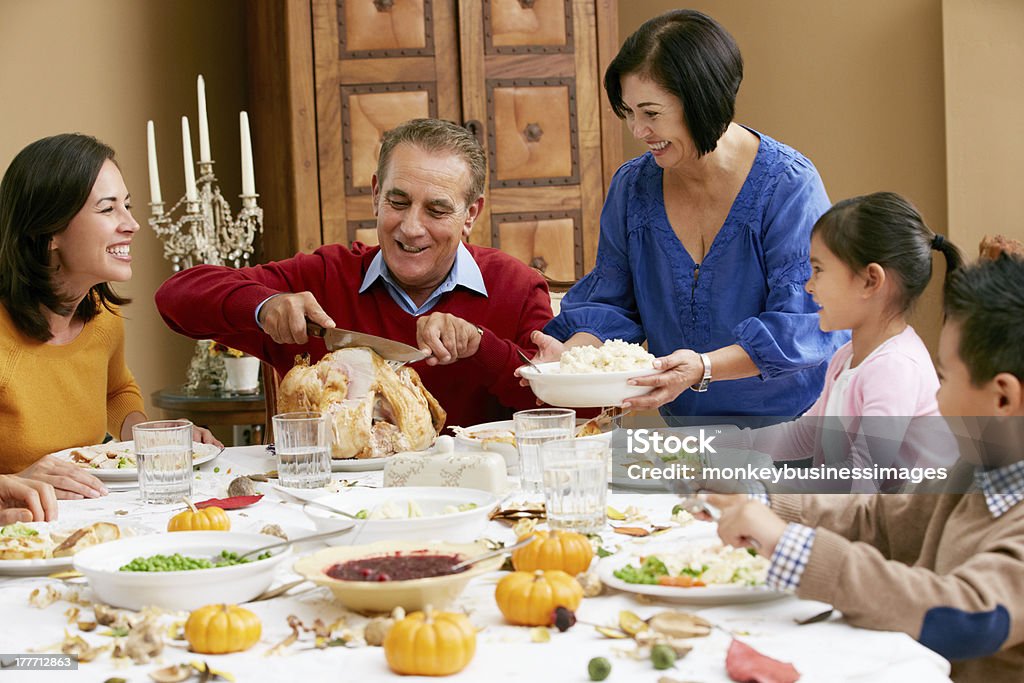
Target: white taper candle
204,126
190,174
248,177
154,174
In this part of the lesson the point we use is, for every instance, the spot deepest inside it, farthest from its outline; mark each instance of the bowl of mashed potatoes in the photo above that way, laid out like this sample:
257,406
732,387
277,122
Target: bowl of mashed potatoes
592,376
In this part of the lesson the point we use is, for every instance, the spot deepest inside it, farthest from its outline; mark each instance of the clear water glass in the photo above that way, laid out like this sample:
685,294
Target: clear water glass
575,484
536,427
163,451
303,450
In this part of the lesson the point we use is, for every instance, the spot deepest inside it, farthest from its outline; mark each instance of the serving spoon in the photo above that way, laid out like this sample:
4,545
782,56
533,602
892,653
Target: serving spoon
493,553
293,541
529,362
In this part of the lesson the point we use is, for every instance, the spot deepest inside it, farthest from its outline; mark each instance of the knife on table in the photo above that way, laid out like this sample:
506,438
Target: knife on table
336,338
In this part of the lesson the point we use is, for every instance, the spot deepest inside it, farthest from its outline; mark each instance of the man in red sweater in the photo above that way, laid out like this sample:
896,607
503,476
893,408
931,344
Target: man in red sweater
470,307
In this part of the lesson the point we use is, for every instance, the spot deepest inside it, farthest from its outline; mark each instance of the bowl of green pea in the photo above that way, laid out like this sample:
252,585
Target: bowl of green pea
181,570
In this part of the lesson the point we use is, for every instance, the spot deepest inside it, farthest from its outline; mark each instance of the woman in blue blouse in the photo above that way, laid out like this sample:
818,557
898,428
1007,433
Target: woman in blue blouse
704,239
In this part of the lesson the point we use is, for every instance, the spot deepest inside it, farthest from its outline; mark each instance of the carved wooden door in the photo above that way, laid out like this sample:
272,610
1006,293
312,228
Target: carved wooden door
522,74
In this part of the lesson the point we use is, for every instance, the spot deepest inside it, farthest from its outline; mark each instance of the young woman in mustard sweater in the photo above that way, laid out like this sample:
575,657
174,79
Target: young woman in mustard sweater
66,230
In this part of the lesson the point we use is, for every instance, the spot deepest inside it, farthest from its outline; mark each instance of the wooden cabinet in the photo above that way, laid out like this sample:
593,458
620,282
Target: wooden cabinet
328,77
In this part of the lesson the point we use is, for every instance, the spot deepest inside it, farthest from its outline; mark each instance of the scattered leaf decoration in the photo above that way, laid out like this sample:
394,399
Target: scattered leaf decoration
540,634
232,503
631,531
614,514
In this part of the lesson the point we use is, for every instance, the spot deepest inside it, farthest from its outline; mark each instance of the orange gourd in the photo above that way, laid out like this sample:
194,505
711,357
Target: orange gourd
219,629
430,643
565,550
208,519
530,598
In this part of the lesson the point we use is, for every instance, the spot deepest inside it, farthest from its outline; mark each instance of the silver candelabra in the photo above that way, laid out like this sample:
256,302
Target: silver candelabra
205,230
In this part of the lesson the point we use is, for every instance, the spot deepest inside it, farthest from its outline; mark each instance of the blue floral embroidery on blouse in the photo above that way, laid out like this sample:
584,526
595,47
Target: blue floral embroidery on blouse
749,290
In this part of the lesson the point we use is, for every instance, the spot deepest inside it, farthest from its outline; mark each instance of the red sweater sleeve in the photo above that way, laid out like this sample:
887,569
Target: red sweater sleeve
497,359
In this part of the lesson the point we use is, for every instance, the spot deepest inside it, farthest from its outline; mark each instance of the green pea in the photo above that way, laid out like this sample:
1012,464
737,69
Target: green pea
663,657
598,668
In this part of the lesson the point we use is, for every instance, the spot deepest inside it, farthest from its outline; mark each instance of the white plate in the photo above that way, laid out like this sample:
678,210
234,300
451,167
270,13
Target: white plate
583,390
700,595
357,464
43,567
485,437
201,453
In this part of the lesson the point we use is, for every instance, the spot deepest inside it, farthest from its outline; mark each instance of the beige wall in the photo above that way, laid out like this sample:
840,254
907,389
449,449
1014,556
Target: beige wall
104,67
984,117
856,86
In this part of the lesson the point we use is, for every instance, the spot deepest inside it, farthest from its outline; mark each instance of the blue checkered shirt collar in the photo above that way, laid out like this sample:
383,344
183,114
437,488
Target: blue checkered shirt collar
1003,487
464,273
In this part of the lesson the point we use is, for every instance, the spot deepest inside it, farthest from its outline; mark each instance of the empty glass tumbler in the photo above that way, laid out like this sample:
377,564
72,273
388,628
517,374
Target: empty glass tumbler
575,484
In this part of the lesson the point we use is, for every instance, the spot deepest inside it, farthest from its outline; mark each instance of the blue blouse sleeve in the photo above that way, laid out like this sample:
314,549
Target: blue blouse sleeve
603,302
785,338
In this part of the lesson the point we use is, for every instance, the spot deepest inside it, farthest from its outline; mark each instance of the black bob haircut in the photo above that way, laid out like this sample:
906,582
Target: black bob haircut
45,186
987,300
692,56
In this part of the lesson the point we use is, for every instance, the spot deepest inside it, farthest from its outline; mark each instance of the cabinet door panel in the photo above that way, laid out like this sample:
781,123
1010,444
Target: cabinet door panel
379,25
532,132
542,241
518,23
366,117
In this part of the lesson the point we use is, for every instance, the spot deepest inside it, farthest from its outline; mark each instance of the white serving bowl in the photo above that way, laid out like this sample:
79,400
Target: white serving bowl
178,590
455,527
583,390
495,436
415,594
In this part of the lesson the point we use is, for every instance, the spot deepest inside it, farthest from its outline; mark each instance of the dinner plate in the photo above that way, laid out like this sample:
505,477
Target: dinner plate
201,453
49,565
700,595
357,464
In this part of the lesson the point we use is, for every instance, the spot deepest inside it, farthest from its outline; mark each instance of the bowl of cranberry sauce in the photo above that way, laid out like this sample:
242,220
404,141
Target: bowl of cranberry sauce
395,567
376,578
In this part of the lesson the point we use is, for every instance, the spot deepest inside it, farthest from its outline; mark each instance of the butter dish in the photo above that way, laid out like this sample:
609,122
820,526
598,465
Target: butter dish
444,466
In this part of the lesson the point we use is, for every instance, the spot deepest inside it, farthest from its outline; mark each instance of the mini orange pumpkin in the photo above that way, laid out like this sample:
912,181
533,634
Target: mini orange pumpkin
430,643
208,519
530,598
219,629
565,550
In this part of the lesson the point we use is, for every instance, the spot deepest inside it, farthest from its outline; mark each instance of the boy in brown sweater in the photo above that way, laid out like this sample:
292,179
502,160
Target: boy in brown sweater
944,566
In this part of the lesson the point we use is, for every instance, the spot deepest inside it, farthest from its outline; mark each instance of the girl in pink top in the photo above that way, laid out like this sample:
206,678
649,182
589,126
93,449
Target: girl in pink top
871,258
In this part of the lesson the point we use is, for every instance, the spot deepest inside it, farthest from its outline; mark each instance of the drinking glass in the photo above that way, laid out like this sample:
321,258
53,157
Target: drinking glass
163,451
575,484
303,451
533,428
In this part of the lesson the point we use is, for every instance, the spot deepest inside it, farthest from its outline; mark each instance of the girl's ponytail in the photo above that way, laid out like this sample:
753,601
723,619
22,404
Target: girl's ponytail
954,259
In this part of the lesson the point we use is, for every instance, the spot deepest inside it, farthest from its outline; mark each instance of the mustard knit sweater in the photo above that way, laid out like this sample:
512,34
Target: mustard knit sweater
56,397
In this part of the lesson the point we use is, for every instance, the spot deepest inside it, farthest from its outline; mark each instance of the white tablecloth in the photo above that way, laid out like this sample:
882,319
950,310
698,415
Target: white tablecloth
827,652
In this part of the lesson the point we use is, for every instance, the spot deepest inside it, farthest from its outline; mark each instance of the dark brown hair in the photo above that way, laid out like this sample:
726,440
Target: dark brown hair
987,300
886,229
692,56
45,186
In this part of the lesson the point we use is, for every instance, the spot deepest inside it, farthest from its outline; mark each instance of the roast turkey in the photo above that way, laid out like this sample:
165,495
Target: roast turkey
373,410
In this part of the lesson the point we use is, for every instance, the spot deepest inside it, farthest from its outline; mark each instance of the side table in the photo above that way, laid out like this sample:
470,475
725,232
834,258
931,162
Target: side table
206,408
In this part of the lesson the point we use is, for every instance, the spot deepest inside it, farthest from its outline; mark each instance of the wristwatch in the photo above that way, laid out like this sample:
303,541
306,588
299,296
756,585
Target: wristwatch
702,385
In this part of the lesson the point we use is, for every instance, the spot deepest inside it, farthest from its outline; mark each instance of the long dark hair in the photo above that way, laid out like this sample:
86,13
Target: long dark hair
886,229
45,186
